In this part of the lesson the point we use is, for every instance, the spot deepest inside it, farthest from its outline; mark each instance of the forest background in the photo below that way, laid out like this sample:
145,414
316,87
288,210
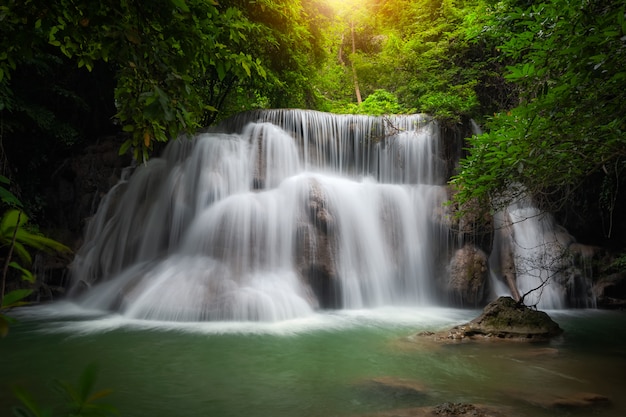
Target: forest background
544,80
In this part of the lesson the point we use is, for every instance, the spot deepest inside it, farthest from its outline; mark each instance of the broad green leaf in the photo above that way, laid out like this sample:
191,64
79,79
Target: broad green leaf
181,4
9,198
27,275
31,408
10,220
13,297
246,67
125,147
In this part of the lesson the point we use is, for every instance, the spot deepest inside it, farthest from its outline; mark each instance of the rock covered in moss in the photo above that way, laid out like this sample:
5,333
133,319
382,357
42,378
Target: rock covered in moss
503,319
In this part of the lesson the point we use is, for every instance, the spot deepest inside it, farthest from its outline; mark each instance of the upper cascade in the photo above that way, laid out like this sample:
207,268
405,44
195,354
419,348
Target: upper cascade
277,214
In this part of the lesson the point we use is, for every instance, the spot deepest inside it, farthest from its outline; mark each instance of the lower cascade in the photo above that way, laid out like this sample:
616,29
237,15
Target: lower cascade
273,215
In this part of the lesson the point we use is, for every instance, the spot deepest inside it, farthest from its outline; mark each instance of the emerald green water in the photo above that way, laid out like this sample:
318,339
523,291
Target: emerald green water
322,366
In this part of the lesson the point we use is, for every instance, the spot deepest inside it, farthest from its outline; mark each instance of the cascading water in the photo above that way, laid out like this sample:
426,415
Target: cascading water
287,211
296,211
535,256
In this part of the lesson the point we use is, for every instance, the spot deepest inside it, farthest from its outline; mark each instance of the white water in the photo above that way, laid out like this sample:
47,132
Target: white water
223,225
284,212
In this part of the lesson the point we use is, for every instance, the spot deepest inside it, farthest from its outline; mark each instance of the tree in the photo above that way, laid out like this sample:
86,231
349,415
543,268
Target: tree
162,56
566,58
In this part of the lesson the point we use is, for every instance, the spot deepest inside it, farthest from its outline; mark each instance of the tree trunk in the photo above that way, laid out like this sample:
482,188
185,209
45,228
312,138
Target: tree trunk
357,91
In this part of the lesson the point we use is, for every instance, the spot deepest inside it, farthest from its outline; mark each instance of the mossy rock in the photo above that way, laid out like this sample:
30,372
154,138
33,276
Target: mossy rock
505,318
502,319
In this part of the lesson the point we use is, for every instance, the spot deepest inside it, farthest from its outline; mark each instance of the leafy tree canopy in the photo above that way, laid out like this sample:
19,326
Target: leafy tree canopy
566,59
174,62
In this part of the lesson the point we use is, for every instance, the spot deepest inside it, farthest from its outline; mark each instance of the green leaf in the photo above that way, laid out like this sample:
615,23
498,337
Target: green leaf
181,4
221,71
27,275
125,147
12,298
9,198
31,408
87,381
246,67
10,220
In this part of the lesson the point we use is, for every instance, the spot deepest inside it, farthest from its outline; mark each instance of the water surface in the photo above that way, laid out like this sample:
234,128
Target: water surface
322,365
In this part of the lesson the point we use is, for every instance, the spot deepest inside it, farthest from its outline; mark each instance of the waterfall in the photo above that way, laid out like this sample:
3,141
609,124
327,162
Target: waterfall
270,216
534,255
275,214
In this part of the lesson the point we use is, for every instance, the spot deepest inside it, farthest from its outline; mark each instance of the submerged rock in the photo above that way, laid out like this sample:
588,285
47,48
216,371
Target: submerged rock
448,410
503,319
398,387
571,401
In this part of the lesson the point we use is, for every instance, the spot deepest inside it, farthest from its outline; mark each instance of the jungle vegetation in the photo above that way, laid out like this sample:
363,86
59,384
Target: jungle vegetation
544,79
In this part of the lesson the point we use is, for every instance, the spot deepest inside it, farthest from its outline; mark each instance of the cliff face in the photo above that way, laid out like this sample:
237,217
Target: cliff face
78,185
71,197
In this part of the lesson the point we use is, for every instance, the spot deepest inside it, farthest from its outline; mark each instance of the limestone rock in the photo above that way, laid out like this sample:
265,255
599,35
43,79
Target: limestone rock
468,275
502,319
315,252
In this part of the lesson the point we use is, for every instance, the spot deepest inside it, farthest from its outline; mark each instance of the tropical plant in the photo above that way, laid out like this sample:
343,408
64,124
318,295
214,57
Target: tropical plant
16,235
566,58
79,400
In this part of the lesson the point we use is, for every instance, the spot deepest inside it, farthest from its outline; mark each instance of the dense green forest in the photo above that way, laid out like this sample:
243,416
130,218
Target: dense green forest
545,80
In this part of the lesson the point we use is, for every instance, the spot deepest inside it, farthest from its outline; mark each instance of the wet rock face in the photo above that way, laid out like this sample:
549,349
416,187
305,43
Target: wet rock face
80,183
610,291
315,250
468,276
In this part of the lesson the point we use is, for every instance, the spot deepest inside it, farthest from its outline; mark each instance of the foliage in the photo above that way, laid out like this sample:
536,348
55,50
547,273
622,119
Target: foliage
566,57
16,235
15,230
175,63
380,102
618,264
424,52
80,400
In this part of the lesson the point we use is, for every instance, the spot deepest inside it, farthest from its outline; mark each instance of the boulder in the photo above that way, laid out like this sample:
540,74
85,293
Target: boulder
610,291
468,276
502,319
315,251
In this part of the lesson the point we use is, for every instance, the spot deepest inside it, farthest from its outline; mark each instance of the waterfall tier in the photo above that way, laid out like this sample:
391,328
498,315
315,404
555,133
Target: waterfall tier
278,213
293,211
